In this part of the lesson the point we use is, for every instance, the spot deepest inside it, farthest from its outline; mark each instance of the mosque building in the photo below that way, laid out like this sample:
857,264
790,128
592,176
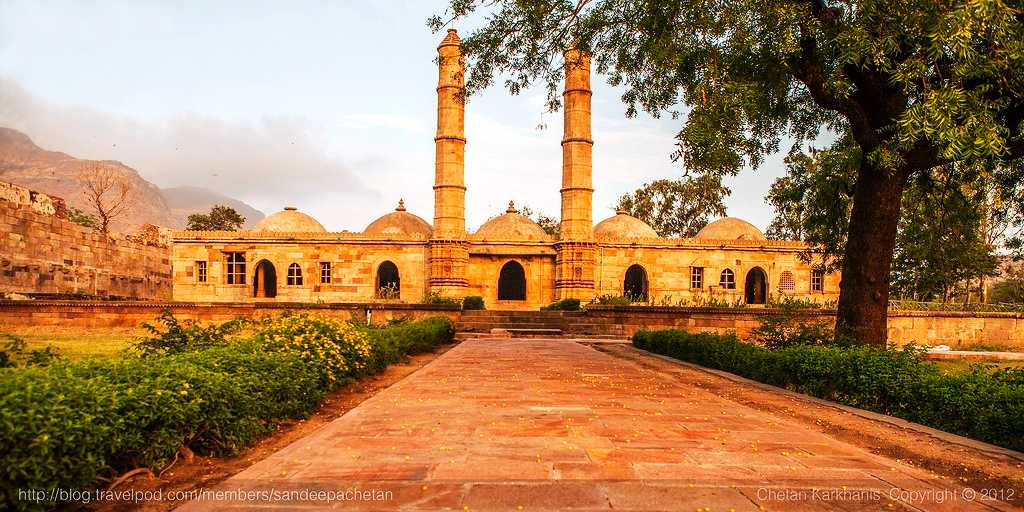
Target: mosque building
510,261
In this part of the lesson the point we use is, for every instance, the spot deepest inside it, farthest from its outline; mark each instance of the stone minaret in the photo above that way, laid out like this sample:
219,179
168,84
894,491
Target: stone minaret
575,249
449,250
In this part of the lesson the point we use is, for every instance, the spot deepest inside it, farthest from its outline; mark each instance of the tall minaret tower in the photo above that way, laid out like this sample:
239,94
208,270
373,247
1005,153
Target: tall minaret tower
574,263
449,250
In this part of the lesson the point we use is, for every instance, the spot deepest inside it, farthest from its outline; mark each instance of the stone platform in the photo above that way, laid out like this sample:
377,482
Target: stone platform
527,424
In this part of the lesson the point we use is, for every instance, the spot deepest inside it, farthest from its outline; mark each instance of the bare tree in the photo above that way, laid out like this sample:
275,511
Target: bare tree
108,192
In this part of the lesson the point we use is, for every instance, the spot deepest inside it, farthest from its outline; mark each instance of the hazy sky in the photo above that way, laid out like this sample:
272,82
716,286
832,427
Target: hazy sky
328,106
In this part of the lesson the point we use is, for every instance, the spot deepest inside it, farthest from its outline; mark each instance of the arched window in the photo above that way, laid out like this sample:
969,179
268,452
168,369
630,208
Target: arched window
512,282
389,283
635,284
294,275
727,281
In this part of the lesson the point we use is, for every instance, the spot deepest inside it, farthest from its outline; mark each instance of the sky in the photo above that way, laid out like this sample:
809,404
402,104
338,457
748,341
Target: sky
328,106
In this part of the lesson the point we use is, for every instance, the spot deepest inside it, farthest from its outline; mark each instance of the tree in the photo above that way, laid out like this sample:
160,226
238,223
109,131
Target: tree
940,242
676,208
1010,289
940,82
107,191
81,218
220,218
549,224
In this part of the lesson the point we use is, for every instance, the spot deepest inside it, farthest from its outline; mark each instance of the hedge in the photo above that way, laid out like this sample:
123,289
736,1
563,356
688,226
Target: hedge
982,404
67,425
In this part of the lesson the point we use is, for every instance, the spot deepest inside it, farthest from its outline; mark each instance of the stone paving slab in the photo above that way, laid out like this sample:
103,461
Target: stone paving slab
532,424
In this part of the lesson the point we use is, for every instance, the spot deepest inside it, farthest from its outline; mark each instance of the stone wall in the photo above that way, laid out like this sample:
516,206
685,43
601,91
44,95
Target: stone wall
43,252
89,314
956,329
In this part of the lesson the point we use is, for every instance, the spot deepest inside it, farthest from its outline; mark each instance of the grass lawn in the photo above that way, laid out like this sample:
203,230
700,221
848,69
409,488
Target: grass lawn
960,365
77,343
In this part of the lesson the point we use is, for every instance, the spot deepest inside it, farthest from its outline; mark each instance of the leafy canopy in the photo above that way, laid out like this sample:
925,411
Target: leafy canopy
676,208
220,218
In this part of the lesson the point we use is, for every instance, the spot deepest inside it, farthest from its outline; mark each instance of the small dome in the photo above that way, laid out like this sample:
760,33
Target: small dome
623,225
290,220
511,226
730,228
399,223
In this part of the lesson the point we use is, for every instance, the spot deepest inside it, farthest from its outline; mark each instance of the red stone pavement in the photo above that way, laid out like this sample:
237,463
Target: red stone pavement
522,424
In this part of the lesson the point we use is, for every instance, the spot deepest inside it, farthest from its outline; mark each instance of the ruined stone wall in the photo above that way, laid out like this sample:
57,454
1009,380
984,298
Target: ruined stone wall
43,252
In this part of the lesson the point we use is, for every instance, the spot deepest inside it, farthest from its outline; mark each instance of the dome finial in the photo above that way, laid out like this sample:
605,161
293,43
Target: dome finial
401,205
511,207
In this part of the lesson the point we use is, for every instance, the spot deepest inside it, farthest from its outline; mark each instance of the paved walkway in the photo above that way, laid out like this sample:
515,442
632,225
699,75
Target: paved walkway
556,425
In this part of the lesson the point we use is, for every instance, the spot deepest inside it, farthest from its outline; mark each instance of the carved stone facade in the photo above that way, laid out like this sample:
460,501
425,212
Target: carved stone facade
510,261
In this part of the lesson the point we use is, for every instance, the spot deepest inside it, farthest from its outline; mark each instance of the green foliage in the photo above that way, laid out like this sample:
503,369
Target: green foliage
390,291
792,325
16,354
912,305
982,404
437,299
82,218
329,343
69,424
609,299
473,302
220,218
549,224
176,336
676,208
1009,290
563,305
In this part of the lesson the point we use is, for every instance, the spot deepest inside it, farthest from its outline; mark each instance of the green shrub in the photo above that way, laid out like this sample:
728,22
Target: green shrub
180,336
67,425
563,305
338,347
982,404
473,302
792,326
613,300
437,298
15,353
391,344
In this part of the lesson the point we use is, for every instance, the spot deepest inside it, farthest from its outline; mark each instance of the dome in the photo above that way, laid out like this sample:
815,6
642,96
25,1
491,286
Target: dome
730,228
399,223
290,220
623,225
511,226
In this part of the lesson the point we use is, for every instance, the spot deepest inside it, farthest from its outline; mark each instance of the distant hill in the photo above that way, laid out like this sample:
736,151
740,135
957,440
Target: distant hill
187,200
24,163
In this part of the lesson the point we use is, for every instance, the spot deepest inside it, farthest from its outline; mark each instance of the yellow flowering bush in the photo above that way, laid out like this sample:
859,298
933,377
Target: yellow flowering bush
341,350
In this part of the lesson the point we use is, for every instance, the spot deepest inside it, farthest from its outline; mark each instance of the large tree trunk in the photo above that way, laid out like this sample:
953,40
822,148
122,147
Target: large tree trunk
864,289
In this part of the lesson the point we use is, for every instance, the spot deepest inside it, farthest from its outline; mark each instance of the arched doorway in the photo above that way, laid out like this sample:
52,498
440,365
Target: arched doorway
512,282
635,284
264,281
756,286
389,283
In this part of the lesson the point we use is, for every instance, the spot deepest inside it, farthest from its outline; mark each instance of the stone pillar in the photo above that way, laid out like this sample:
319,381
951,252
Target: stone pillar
449,250
574,263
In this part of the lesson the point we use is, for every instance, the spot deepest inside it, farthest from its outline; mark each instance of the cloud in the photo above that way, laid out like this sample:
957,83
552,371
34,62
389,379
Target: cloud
268,162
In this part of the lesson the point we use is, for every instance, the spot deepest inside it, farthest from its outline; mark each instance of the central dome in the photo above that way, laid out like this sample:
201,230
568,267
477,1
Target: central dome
511,226
730,228
399,223
623,225
290,220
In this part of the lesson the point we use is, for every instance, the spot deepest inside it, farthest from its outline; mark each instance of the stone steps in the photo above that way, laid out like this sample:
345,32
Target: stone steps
535,323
